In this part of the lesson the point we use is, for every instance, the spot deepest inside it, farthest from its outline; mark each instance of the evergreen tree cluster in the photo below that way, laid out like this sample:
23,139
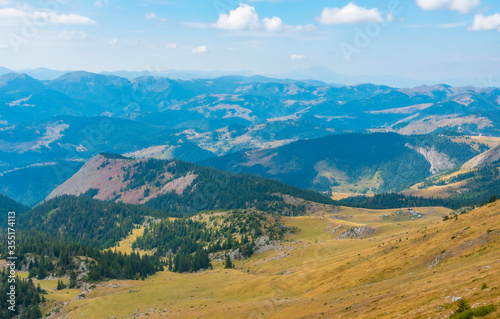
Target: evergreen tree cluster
85,220
27,298
395,200
191,241
44,255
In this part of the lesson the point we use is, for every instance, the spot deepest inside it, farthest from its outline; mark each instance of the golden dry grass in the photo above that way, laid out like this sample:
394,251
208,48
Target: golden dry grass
339,196
491,141
125,245
442,191
407,269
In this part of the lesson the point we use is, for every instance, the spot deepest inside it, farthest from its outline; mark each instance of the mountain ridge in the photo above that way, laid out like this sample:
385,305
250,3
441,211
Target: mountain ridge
176,186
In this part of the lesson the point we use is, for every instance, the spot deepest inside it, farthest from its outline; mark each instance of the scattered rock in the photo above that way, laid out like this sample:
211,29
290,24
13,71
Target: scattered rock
357,232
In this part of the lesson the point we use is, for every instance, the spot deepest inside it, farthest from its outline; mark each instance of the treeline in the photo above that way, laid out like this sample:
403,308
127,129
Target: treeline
43,255
85,220
191,241
27,298
396,200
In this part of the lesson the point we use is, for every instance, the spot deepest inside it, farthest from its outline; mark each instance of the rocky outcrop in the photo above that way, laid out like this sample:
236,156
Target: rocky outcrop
439,161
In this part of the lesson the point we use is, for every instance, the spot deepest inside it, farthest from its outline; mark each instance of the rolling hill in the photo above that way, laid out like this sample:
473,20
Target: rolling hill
379,162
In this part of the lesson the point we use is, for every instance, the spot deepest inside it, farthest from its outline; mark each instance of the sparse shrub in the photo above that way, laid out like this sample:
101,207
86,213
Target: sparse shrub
474,312
484,310
484,286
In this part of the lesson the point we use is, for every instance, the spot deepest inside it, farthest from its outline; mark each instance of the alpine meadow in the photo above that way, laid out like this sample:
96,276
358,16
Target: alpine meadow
282,159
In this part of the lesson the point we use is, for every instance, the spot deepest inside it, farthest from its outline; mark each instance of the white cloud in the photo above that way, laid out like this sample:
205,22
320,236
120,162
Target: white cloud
241,18
274,24
297,57
452,25
200,49
170,45
3,46
55,18
350,14
43,17
150,16
113,41
462,6
246,18
72,35
482,22
4,2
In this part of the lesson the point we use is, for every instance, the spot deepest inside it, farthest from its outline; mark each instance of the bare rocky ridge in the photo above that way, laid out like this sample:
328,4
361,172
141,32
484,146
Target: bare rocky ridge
108,181
107,176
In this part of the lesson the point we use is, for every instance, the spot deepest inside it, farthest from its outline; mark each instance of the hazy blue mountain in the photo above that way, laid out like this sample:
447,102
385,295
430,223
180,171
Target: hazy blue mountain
4,70
177,74
246,101
327,75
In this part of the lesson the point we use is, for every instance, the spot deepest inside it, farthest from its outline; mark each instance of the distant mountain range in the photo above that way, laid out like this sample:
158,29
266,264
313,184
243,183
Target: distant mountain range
315,73
44,125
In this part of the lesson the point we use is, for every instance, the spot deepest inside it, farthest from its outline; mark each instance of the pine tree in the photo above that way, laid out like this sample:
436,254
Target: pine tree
72,279
60,285
462,306
228,263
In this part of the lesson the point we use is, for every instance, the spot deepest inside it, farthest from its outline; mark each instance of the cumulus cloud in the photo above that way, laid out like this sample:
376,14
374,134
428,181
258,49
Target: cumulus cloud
170,45
351,14
297,57
274,24
43,17
462,6
246,18
482,22
72,35
241,18
200,49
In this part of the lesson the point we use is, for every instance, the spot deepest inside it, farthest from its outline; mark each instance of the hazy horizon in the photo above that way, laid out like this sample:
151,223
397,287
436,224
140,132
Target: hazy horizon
446,41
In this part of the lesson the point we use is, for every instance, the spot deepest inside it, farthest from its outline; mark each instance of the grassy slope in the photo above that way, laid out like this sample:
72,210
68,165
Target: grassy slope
315,274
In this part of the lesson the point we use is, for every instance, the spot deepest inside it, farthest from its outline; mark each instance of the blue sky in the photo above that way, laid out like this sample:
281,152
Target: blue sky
421,39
